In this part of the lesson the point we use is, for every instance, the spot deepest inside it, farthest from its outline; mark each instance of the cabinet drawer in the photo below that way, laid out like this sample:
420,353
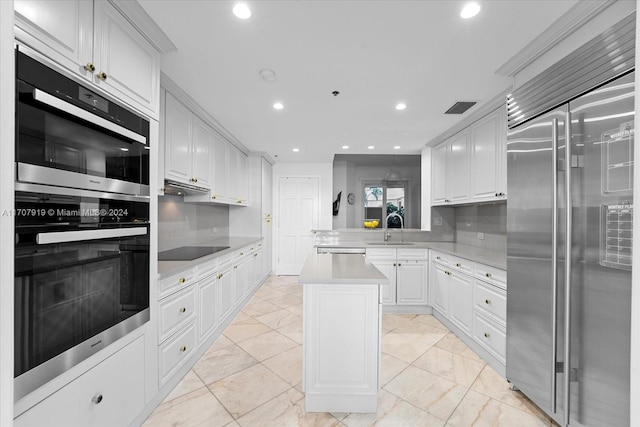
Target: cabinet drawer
109,394
440,258
491,300
490,336
387,253
492,275
207,268
241,252
176,281
462,265
173,352
176,310
413,254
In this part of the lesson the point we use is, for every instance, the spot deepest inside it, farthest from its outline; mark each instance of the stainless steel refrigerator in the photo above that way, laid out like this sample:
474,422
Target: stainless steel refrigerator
569,233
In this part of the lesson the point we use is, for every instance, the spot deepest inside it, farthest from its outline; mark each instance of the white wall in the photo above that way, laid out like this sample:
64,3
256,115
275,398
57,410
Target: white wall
425,213
7,79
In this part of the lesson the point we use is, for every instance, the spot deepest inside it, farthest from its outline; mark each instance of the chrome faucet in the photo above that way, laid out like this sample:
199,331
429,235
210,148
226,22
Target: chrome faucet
394,214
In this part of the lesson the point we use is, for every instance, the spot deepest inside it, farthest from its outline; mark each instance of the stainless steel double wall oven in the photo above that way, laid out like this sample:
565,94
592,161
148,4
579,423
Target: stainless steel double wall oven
81,223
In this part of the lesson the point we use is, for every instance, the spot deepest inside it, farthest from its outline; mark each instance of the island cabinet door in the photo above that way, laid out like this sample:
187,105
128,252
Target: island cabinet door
341,347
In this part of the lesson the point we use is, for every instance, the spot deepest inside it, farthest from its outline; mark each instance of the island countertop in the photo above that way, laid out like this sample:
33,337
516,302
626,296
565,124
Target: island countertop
340,269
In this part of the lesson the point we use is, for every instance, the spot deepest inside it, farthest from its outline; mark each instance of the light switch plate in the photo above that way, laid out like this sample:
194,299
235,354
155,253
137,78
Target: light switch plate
437,220
480,236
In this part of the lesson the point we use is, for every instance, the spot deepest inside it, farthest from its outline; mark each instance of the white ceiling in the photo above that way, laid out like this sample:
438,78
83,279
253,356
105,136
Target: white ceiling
376,53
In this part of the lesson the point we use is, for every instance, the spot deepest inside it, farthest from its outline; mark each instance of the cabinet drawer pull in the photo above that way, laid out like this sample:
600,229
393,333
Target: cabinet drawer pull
438,257
96,399
448,273
182,280
458,264
102,75
488,275
239,201
90,67
487,301
183,348
487,335
235,266
241,253
255,254
399,265
220,276
213,197
182,309
251,249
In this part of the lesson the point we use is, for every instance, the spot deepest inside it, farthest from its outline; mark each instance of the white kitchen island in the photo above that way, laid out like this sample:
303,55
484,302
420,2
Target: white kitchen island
341,333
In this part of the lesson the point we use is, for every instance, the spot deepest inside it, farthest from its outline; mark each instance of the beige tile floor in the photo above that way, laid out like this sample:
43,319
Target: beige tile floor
252,374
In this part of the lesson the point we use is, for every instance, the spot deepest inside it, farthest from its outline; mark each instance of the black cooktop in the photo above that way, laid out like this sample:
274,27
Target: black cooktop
188,253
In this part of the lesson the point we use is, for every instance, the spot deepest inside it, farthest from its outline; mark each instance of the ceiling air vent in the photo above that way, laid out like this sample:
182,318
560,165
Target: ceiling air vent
460,107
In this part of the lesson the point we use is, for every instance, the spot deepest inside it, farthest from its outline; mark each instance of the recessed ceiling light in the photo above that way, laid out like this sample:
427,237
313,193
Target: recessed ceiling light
124,149
401,106
242,11
396,147
371,147
295,150
278,106
345,147
470,9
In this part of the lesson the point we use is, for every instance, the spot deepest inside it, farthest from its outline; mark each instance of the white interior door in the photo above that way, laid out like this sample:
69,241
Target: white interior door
298,216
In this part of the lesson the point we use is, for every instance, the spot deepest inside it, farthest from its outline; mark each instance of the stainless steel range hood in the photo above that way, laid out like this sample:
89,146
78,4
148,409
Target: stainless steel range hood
180,189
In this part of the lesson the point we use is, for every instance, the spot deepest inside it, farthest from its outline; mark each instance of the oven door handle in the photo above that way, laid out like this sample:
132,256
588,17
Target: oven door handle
78,236
66,107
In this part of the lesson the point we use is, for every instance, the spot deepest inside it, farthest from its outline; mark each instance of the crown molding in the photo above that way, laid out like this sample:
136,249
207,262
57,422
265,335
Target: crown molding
581,13
172,87
493,104
140,19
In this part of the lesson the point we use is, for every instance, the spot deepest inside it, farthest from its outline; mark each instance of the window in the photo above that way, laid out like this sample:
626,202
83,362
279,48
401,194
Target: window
385,202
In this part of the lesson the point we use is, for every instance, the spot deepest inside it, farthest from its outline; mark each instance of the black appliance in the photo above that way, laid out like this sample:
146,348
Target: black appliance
81,224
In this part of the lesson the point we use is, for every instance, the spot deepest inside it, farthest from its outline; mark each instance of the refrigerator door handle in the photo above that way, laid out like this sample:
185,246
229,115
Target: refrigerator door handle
567,274
554,261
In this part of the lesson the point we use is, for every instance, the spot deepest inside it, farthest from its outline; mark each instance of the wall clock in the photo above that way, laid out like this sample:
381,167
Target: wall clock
351,198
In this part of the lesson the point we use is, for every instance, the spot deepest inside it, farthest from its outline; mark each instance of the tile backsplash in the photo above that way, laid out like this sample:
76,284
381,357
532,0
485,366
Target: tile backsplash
182,224
486,220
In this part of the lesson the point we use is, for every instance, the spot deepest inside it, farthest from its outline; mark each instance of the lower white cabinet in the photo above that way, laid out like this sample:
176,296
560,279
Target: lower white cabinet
109,394
473,297
173,352
341,347
208,306
407,272
227,284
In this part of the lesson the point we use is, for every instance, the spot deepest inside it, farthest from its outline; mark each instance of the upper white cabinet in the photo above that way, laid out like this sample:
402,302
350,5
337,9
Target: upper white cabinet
188,141
489,157
471,165
220,170
96,42
237,183
457,169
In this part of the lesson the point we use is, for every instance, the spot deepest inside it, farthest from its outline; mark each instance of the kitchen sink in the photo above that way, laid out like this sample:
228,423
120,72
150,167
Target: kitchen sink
390,243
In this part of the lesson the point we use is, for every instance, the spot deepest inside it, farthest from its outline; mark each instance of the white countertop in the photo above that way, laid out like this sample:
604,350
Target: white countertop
166,268
349,269
493,258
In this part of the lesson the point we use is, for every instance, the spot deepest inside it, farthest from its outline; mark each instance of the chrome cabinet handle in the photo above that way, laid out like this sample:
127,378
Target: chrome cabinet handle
567,274
96,399
554,259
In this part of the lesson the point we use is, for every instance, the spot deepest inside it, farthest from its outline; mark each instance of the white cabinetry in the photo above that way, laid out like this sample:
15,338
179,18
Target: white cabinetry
219,189
96,42
109,394
188,141
457,169
472,296
471,165
406,270
195,302
489,157
341,367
